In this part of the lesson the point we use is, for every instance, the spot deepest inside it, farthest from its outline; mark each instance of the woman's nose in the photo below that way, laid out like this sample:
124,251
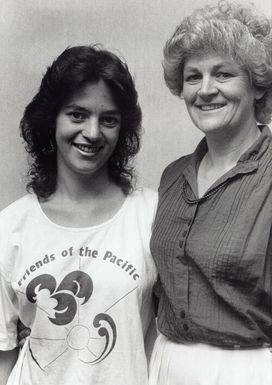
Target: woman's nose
207,87
91,129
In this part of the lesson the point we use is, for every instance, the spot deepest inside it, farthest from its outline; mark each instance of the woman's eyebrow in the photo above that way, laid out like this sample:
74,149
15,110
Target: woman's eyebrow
75,106
79,108
214,68
189,68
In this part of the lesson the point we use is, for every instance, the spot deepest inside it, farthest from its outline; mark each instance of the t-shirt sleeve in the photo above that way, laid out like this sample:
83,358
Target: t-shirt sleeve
8,297
8,315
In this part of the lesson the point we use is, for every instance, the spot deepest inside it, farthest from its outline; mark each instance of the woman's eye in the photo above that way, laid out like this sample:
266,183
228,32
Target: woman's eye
77,116
223,75
194,78
110,121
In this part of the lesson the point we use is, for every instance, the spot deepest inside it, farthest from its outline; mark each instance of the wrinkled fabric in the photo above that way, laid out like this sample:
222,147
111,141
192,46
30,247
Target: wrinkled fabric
214,254
201,364
85,293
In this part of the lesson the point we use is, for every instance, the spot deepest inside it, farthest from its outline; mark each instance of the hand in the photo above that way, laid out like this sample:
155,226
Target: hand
23,332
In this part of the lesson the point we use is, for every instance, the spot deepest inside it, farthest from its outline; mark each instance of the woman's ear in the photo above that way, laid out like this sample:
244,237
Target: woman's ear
259,93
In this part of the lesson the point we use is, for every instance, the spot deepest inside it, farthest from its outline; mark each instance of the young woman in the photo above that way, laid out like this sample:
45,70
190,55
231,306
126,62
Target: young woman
75,265
212,234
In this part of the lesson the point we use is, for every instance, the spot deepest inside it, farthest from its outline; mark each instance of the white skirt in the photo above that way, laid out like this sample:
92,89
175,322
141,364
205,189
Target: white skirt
15,375
200,364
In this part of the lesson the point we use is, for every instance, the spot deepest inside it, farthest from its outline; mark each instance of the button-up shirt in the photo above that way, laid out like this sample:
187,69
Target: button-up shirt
214,253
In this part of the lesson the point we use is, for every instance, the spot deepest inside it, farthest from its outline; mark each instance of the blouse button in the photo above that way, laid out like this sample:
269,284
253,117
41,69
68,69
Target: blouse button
182,314
182,259
185,327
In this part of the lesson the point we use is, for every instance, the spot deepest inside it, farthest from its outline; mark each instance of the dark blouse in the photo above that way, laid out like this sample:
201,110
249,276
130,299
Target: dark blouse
214,254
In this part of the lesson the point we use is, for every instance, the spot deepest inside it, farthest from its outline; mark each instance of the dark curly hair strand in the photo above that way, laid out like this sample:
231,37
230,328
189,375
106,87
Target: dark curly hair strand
75,67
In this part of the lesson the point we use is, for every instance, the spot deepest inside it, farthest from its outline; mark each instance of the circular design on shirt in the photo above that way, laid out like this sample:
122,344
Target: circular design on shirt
78,337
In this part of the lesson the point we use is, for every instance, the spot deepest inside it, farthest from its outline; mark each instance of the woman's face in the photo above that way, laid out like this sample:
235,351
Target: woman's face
218,94
87,130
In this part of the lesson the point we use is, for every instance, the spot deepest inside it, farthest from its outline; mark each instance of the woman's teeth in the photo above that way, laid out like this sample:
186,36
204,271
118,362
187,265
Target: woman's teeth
209,107
89,149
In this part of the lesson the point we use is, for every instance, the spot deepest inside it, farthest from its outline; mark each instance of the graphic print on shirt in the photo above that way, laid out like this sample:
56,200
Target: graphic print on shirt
61,304
75,322
77,284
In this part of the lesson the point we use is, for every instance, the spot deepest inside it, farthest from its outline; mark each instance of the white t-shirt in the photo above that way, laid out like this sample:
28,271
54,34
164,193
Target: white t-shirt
84,292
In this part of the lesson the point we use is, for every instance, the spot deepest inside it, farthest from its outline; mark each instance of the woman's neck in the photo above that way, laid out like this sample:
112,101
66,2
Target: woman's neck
226,149
77,187
83,201
223,154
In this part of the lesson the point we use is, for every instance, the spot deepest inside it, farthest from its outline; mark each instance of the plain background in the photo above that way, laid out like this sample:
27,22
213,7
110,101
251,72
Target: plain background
34,32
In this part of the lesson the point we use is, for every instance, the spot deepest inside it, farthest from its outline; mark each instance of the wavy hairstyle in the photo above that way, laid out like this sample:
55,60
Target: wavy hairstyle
236,30
73,68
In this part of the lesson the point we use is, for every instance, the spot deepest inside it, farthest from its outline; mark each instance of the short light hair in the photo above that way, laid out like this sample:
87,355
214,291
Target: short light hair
236,30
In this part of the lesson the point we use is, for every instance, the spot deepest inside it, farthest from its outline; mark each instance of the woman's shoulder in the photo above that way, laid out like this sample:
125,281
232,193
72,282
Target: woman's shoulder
172,172
145,194
17,209
177,165
13,220
145,200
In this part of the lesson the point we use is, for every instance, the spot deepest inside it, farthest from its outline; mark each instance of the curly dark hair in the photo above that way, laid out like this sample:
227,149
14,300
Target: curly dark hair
75,67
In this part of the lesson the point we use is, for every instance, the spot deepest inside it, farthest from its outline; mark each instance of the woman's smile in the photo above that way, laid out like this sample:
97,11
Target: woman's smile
88,149
218,93
210,107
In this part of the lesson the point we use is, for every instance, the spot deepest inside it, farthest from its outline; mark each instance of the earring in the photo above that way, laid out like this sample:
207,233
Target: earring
49,150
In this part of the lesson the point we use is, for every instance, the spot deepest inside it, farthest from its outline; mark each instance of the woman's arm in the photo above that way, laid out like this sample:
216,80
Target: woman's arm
150,338
23,333
7,361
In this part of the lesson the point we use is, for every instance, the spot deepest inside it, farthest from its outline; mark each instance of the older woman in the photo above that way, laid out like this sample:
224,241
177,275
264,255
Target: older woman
75,264
212,238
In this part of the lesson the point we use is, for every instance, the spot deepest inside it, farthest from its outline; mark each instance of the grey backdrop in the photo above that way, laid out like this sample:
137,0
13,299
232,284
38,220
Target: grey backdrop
34,32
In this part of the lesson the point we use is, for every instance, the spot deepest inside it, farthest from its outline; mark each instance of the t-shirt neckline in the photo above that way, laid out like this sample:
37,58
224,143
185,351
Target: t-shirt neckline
86,228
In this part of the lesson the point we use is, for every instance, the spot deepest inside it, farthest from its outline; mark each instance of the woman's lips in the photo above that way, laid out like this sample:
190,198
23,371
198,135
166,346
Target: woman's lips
209,107
88,148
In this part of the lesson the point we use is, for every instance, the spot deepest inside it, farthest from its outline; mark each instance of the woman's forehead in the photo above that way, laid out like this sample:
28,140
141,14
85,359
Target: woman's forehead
211,59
